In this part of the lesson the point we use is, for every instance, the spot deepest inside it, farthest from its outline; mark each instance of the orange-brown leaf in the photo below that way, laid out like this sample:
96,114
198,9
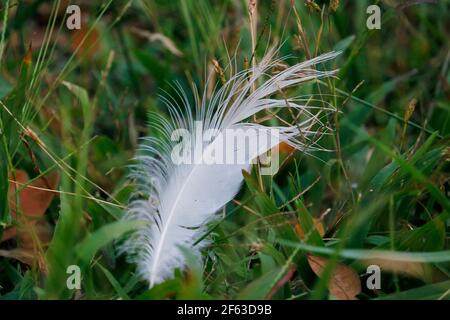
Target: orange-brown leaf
27,208
9,233
286,148
86,42
344,283
25,256
33,200
412,269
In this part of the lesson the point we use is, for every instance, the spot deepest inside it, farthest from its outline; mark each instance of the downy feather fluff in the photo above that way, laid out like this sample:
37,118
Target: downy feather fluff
179,200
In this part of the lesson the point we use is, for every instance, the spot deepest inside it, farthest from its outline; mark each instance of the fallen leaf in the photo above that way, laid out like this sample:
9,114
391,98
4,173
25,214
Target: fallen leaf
25,256
286,148
22,255
32,234
85,42
9,233
413,269
344,283
35,198
28,204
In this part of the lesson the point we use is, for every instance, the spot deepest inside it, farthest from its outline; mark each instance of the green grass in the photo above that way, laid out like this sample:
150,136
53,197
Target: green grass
381,193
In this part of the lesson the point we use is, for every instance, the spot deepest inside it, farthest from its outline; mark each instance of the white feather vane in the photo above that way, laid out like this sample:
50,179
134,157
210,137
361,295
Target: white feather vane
179,197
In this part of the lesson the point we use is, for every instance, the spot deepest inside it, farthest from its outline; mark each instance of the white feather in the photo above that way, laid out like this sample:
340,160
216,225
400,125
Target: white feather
180,199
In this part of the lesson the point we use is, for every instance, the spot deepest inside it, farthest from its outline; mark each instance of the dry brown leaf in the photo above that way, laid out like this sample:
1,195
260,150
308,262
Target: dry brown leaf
286,148
22,255
25,256
33,234
413,269
86,42
35,198
344,283
32,231
8,233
